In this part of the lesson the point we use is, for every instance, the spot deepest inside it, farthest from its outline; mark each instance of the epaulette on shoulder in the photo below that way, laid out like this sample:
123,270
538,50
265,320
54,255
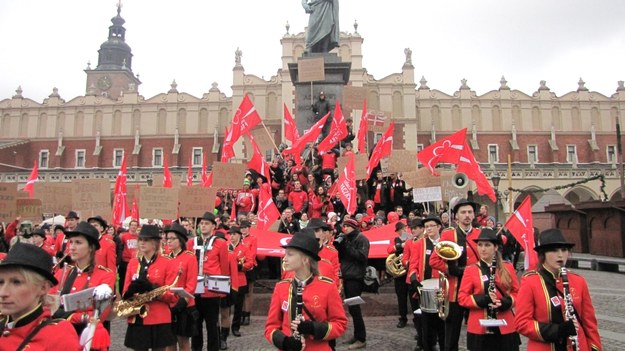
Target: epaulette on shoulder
325,279
528,273
331,248
325,260
187,252
287,281
166,257
448,230
104,268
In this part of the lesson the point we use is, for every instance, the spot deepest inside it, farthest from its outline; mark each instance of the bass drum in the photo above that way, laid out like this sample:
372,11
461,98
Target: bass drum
428,295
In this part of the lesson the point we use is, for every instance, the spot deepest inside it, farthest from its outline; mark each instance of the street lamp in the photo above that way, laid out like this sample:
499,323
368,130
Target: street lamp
496,179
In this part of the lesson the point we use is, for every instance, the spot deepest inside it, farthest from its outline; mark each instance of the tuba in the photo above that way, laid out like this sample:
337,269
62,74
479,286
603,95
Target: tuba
137,305
448,251
394,267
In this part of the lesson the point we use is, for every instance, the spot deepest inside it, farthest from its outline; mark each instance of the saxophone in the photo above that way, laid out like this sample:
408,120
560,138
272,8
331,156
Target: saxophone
569,313
137,305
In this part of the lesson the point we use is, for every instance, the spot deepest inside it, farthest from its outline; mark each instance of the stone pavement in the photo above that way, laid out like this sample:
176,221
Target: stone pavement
607,291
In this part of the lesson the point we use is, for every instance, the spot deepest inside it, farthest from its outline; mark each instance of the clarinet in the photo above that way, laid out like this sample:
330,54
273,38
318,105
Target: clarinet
492,314
299,307
569,313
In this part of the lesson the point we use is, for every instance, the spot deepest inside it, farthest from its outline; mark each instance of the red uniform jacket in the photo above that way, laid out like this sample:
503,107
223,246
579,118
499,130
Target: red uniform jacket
539,309
59,242
251,241
469,256
473,295
323,305
107,256
420,254
330,254
160,272
244,262
186,261
215,260
129,241
58,336
408,248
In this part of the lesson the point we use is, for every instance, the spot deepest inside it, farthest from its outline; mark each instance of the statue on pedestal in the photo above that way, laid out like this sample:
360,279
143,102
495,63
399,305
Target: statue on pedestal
323,25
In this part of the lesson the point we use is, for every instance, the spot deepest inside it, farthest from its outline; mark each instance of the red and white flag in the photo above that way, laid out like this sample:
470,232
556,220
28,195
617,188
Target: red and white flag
258,162
363,129
120,209
245,119
267,211
227,151
346,185
521,225
30,183
338,130
290,128
310,136
190,173
205,176
382,149
167,182
468,165
445,150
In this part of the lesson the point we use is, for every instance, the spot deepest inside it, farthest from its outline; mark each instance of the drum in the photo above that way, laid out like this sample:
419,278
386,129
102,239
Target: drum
218,283
428,295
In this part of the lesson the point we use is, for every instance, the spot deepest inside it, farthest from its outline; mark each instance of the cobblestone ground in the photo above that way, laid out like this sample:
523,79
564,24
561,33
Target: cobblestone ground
607,291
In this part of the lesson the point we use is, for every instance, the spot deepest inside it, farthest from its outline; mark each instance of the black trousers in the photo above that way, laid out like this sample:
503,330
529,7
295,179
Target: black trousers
401,291
433,331
209,313
354,288
121,270
453,325
239,298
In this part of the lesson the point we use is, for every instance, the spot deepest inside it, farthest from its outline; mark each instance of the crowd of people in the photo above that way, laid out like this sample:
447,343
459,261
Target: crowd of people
189,283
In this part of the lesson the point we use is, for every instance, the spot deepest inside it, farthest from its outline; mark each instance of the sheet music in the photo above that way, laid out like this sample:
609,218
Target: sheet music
78,300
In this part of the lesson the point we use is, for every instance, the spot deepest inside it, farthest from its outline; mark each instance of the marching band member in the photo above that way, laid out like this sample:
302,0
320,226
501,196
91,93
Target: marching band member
183,324
401,289
84,273
145,273
251,241
244,262
551,315
212,254
105,256
306,311
432,327
129,250
327,252
325,267
71,221
25,323
416,231
489,289
463,235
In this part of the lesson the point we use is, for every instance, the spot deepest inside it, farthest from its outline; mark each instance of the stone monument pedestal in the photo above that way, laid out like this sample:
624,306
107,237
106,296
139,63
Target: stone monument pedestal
336,77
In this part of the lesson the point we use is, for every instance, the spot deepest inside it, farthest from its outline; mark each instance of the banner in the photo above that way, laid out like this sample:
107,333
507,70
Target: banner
92,197
55,197
196,200
8,194
158,203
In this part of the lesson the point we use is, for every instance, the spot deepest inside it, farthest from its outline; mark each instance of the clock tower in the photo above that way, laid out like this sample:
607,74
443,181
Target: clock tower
113,76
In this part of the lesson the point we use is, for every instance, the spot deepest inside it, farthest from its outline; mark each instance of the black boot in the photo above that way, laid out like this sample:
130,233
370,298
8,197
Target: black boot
245,319
223,344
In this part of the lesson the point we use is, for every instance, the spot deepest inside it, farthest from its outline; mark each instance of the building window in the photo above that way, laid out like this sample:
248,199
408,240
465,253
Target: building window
118,155
157,157
611,153
80,158
376,138
532,154
268,155
44,157
197,156
571,154
493,153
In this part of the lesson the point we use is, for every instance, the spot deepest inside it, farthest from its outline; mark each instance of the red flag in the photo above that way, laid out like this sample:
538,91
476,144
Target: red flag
30,183
310,136
469,166
204,175
290,129
120,210
209,180
258,162
134,213
363,129
338,130
167,182
521,225
190,173
267,211
382,149
347,185
245,119
227,152
445,150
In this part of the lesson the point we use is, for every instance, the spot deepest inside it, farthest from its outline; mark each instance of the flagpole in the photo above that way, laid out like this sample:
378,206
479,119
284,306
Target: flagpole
510,204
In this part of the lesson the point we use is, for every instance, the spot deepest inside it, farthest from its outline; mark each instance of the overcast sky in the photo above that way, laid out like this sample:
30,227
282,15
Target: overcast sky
46,44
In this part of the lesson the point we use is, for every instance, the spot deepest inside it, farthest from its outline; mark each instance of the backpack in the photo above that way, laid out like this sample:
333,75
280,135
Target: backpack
372,283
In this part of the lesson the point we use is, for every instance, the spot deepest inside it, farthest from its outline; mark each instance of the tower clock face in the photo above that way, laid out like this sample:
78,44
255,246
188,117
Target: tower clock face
104,83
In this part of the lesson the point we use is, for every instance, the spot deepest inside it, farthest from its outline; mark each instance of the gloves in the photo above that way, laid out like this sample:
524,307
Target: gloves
415,285
102,292
306,327
180,306
138,286
291,344
454,269
567,328
240,267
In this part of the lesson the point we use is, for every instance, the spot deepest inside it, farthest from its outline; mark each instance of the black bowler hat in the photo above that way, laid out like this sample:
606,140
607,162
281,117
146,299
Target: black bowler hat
235,230
149,231
464,202
318,223
38,231
178,229
98,219
432,218
487,234
245,224
59,227
551,239
306,243
30,257
88,231
72,215
208,216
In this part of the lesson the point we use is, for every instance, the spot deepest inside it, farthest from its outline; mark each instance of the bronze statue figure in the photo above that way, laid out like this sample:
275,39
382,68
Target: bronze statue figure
323,25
